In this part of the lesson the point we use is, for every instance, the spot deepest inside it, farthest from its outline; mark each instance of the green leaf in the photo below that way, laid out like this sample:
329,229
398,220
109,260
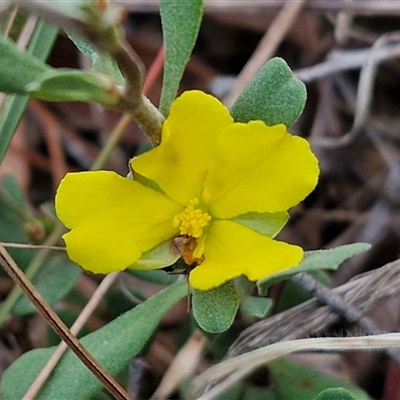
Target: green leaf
13,197
68,316
13,22
10,116
14,215
15,218
101,62
256,306
215,310
55,279
40,45
274,96
315,260
154,276
265,223
180,24
113,346
335,394
159,256
74,85
83,46
295,381
253,392
17,68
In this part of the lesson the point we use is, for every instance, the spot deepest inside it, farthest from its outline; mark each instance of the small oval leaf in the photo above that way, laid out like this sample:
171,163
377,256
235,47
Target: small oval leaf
274,96
215,310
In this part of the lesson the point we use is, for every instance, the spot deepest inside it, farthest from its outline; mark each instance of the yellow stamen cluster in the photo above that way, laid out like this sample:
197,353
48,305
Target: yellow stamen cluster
191,220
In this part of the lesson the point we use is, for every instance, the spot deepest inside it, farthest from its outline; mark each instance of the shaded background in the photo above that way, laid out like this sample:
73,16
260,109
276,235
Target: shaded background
347,53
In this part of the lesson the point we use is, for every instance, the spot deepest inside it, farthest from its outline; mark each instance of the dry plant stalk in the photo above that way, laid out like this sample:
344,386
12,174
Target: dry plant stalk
75,329
266,48
183,365
255,346
364,292
59,327
253,359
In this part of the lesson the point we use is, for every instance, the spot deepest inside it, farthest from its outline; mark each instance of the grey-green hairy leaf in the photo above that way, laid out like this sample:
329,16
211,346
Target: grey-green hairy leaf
17,68
74,85
14,214
180,24
274,96
315,260
101,62
215,310
39,46
56,278
294,381
113,346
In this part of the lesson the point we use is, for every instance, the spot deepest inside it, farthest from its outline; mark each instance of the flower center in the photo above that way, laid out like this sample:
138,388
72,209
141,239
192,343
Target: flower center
191,220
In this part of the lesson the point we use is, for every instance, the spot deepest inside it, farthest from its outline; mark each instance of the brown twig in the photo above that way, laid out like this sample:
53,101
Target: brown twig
266,48
31,246
364,94
350,313
76,327
59,327
345,60
364,292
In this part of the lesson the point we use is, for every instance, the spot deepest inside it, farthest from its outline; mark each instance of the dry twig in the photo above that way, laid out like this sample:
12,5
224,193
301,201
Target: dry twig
59,327
266,48
364,292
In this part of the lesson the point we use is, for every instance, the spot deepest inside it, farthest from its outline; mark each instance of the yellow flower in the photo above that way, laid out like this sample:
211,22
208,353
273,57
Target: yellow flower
210,193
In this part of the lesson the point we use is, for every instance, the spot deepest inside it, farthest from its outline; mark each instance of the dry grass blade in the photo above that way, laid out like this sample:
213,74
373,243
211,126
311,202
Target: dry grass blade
364,292
182,367
366,7
266,48
59,327
256,358
76,327
364,93
340,60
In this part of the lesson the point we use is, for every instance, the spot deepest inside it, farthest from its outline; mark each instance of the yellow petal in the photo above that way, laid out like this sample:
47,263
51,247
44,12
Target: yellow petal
232,250
112,219
259,168
180,163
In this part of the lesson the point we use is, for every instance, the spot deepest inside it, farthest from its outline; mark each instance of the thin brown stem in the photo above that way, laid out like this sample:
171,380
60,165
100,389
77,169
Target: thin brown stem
76,327
59,327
